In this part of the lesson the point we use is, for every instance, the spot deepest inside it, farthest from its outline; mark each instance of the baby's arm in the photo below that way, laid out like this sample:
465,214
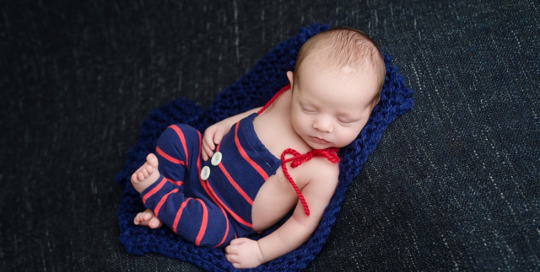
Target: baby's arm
214,133
245,253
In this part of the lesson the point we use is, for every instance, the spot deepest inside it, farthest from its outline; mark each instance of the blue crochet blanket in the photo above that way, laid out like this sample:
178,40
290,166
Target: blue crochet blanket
251,90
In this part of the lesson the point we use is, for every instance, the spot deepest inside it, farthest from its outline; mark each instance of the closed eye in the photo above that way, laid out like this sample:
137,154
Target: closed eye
308,110
346,121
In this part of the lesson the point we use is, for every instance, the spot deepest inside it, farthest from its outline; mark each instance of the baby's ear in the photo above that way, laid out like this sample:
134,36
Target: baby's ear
290,76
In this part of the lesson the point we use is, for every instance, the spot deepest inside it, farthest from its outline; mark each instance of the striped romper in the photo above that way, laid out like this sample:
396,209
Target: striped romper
209,203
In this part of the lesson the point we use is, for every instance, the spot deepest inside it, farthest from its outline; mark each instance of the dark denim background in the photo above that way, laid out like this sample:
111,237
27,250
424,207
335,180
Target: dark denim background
453,184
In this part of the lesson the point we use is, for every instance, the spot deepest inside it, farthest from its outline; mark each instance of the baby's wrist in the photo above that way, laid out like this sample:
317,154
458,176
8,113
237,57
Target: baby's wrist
262,259
267,251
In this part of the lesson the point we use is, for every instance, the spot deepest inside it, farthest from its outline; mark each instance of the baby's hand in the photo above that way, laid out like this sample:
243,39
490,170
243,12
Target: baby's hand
212,136
244,253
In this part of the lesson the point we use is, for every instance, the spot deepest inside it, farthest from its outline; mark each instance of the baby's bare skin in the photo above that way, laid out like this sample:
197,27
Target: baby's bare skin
145,176
147,218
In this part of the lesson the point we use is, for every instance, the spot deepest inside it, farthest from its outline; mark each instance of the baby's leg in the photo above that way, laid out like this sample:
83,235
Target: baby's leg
147,218
178,197
146,175
196,220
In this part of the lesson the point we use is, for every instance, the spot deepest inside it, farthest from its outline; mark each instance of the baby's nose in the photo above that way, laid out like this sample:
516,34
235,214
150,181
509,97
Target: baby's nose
323,124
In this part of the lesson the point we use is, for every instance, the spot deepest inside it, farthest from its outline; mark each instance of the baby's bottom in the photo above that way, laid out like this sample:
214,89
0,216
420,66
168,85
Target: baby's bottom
178,197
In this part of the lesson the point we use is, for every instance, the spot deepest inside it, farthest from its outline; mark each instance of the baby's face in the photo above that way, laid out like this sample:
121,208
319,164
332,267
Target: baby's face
331,106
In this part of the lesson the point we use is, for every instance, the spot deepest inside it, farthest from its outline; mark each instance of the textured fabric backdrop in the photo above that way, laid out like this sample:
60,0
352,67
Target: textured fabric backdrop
452,185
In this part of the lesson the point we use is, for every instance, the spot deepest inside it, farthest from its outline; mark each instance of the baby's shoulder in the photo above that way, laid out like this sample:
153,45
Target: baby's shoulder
322,170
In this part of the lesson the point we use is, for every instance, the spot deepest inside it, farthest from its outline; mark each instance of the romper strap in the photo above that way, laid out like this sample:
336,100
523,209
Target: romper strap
297,159
274,98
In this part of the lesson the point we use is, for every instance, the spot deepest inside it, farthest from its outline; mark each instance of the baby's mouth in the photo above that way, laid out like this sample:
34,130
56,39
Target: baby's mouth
319,140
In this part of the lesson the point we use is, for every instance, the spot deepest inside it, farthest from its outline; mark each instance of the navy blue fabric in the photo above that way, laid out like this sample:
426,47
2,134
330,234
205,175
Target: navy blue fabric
250,91
179,185
211,207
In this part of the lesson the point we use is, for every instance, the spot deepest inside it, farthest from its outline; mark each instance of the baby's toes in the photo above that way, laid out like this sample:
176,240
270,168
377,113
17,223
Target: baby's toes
149,170
152,160
148,215
137,219
154,223
144,173
140,176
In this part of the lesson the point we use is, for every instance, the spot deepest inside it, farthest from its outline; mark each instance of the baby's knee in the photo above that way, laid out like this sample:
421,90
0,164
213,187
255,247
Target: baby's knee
177,138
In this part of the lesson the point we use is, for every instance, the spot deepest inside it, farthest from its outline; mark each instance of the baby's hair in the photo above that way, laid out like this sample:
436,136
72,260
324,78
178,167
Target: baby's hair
345,46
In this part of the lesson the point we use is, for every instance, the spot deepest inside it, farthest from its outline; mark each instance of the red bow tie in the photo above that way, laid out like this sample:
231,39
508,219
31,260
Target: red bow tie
297,159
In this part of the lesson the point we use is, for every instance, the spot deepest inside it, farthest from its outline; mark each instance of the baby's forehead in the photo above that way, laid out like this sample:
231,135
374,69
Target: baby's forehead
337,57
346,48
318,63
357,86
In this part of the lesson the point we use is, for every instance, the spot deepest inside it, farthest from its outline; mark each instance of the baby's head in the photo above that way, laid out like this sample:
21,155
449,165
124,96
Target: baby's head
336,84
347,48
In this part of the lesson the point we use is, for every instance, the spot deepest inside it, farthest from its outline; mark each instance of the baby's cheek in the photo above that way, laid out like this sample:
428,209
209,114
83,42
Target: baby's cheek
349,135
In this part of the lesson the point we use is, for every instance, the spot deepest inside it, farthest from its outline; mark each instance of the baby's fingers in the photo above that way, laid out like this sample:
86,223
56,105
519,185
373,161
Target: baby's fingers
232,258
217,137
207,146
208,137
206,152
237,241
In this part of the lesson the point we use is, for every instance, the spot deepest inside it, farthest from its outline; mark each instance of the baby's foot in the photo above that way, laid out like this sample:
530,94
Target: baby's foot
147,218
147,174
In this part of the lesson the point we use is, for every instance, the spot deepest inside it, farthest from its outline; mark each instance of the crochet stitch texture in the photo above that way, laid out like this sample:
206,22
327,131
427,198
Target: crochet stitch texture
252,90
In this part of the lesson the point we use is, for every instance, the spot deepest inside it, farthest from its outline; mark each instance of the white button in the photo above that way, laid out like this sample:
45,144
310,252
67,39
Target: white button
205,173
216,158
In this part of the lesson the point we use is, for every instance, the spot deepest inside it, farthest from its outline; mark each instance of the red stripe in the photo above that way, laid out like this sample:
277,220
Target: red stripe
246,157
179,214
235,185
204,223
162,200
220,203
176,182
226,230
215,200
203,184
199,154
153,191
182,140
167,157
